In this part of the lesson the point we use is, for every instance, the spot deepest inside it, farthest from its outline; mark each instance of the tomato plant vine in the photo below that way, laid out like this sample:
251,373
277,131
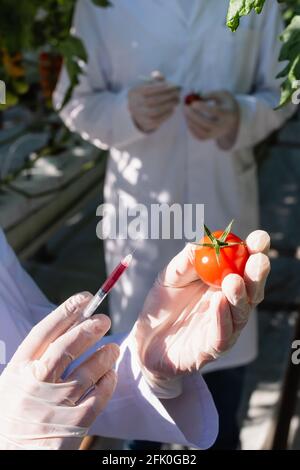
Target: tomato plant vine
290,51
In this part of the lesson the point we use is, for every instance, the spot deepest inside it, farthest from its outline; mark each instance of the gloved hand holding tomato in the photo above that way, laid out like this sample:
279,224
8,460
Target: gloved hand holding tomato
186,323
214,116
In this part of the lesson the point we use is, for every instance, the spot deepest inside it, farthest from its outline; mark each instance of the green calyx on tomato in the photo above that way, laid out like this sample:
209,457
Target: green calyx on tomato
218,243
220,253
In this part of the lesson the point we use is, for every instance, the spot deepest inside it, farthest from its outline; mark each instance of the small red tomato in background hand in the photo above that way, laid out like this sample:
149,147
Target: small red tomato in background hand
192,98
220,253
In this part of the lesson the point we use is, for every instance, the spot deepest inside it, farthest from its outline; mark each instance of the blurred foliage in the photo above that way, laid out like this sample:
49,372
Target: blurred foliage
39,25
290,38
44,25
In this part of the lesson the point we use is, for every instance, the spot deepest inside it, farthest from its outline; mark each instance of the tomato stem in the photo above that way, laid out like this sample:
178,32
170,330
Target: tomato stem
222,245
226,232
218,243
209,234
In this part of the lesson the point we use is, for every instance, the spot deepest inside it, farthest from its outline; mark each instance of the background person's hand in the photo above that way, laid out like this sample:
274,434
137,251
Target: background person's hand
37,408
152,103
215,117
185,324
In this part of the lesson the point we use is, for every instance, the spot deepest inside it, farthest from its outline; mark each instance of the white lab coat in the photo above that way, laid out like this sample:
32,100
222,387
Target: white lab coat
134,412
194,49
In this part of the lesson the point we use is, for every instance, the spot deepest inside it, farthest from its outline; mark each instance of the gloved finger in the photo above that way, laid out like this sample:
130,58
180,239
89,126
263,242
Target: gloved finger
207,110
223,321
157,88
92,370
167,99
215,110
151,124
95,402
197,119
199,132
245,293
219,114
234,289
258,242
217,96
160,110
59,355
51,327
218,340
224,100
164,117
256,274
180,271
197,128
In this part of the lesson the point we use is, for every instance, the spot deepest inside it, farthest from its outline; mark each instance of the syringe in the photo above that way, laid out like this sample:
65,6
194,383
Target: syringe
106,287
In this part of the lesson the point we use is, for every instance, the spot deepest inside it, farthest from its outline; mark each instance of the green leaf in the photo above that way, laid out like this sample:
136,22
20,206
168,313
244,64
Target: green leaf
239,8
209,234
102,3
73,70
73,51
284,72
207,245
73,47
289,86
67,96
218,250
291,40
290,52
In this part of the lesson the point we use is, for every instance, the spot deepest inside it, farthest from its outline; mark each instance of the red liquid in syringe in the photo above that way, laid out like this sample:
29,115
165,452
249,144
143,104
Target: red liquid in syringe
116,274
106,287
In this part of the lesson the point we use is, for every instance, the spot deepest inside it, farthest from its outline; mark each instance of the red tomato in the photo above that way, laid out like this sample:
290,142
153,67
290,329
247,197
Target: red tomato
192,98
49,68
232,259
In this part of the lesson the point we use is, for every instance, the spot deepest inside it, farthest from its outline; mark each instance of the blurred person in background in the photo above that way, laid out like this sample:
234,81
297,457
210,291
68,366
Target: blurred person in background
164,151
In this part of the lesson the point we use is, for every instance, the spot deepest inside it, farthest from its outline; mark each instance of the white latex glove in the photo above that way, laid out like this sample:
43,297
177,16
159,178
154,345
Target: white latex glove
39,410
152,103
185,324
216,117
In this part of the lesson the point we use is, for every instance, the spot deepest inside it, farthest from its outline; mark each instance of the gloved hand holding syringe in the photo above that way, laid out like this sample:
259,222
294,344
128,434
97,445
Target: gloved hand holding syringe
99,297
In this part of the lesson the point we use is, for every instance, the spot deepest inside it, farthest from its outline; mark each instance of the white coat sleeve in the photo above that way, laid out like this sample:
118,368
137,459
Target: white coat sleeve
258,116
95,111
134,412
17,284
22,304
